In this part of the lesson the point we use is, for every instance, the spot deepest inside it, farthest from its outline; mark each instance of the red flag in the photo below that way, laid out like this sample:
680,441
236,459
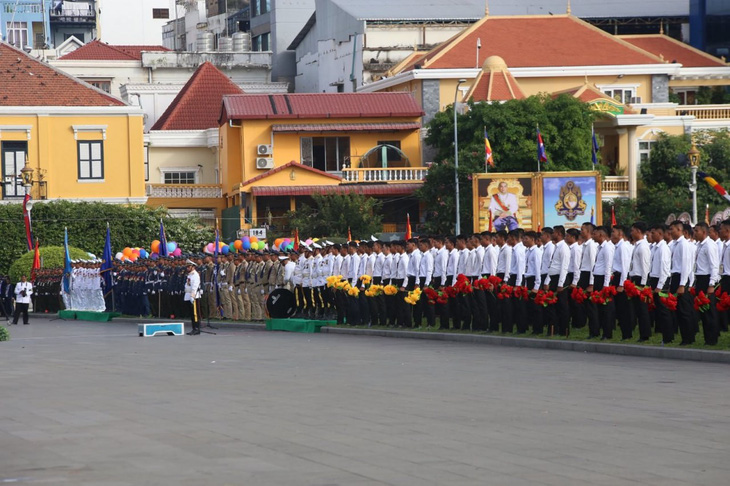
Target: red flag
349,234
491,229
707,214
296,239
36,262
613,217
408,227
26,218
539,227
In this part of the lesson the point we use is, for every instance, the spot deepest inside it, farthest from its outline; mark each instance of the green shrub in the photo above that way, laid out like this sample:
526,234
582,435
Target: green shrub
51,257
4,334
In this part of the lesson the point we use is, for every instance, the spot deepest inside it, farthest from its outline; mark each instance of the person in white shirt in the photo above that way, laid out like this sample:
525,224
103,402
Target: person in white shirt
504,206
378,312
440,262
504,258
353,305
682,265
639,276
491,254
23,291
452,262
425,273
577,312
602,314
548,247
659,275
620,268
725,269
558,315
532,278
192,294
707,276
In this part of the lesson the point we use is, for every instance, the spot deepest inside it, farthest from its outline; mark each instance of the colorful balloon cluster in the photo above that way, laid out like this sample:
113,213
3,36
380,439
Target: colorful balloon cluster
132,254
244,244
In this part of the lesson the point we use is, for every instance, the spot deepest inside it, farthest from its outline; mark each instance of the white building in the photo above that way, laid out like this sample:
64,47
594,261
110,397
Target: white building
133,21
348,43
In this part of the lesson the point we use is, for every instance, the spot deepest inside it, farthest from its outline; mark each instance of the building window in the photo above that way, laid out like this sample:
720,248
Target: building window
262,43
645,150
329,154
146,163
391,154
160,13
621,94
102,84
260,7
17,34
179,177
686,96
91,160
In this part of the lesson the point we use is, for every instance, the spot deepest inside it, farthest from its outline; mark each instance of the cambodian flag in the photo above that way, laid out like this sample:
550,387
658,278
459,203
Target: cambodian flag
594,147
541,154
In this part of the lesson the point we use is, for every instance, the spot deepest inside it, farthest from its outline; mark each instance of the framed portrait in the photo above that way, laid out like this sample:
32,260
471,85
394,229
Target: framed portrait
506,198
570,198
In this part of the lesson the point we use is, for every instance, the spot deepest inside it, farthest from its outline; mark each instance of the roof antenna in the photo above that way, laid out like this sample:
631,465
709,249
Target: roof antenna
567,10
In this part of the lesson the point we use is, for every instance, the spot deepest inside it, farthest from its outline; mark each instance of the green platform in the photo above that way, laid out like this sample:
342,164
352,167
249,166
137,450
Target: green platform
74,315
296,325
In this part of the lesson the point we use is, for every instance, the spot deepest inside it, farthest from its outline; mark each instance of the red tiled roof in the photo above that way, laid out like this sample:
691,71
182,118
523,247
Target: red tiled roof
588,93
364,189
100,51
495,83
673,50
536,41
25,81
286,166
346,127
319,105
197,106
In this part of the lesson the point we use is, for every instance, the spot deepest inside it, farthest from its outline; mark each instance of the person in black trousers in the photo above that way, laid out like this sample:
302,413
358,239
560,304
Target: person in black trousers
23,291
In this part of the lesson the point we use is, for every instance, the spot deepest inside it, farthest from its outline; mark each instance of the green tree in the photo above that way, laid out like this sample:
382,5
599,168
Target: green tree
134,226
565,124
666,175
333,214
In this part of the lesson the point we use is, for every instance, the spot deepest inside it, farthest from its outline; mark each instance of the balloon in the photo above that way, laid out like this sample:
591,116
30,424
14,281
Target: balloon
177,252
155,246
308,242
210,248
127,252
225,250
253,240
238,244
278,241
262,245
246,243
133,257
171,246
143,253
154,256
119,255
136,252
232,248
286,242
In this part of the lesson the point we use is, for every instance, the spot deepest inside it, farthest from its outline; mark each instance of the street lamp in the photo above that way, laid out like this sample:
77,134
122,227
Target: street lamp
456,160
26,175
694,161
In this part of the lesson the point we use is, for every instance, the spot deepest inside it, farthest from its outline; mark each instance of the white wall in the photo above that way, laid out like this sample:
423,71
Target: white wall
131,22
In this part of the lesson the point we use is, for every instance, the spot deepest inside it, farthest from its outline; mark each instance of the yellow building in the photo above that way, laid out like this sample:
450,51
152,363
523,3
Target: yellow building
277,150
80,142
627,78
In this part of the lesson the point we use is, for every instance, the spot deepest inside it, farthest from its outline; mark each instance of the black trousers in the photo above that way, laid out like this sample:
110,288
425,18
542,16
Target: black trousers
453,305
662,315
559,313
580,315
423,308
683,315
378,311
20,309
308,298
534,311
709,317
299,293
624,309
442,309
724,317
641,312
480,312
341,305
195,314
507,309
605,314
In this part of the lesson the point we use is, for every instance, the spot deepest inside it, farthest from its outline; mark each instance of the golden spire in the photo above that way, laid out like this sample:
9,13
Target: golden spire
486,8
661,28
567,10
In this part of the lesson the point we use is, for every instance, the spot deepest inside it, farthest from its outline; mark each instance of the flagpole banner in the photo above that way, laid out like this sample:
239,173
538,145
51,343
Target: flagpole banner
568,198
503,199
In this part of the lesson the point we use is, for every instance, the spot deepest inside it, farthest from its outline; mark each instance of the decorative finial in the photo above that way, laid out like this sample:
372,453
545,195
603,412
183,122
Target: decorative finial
567,10
661,28
486,8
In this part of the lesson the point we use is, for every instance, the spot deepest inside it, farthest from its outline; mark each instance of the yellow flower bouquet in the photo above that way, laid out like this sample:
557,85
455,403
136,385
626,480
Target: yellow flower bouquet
374,291
390,290
413,296
333,280
353,292
366,279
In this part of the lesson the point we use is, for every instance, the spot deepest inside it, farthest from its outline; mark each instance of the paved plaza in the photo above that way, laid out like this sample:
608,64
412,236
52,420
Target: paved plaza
94,404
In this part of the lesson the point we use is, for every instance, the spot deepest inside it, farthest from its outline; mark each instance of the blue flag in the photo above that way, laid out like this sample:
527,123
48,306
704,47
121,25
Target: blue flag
163,241
594,147
66,263
541,153
106,266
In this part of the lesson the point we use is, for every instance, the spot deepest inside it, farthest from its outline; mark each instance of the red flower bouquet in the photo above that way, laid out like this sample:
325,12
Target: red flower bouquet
669,301
578,295
701,302
631,289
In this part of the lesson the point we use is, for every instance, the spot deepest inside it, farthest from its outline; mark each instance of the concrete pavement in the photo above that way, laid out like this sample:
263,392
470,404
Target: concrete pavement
94,404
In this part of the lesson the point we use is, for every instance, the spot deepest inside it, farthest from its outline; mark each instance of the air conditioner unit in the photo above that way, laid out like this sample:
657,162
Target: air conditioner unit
636,100
264,163
263,150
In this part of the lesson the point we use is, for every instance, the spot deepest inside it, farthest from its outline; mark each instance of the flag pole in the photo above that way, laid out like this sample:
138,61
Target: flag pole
537,130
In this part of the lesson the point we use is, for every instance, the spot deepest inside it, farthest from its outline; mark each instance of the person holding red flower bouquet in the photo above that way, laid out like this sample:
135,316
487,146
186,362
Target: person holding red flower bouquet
558,316
639,276
621,267
659,275
707,275
682,264
603,314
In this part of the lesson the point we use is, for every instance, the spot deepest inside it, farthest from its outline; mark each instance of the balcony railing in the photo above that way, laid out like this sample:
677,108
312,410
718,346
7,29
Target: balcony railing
184,191
396,174
73,15
613,187
705,112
